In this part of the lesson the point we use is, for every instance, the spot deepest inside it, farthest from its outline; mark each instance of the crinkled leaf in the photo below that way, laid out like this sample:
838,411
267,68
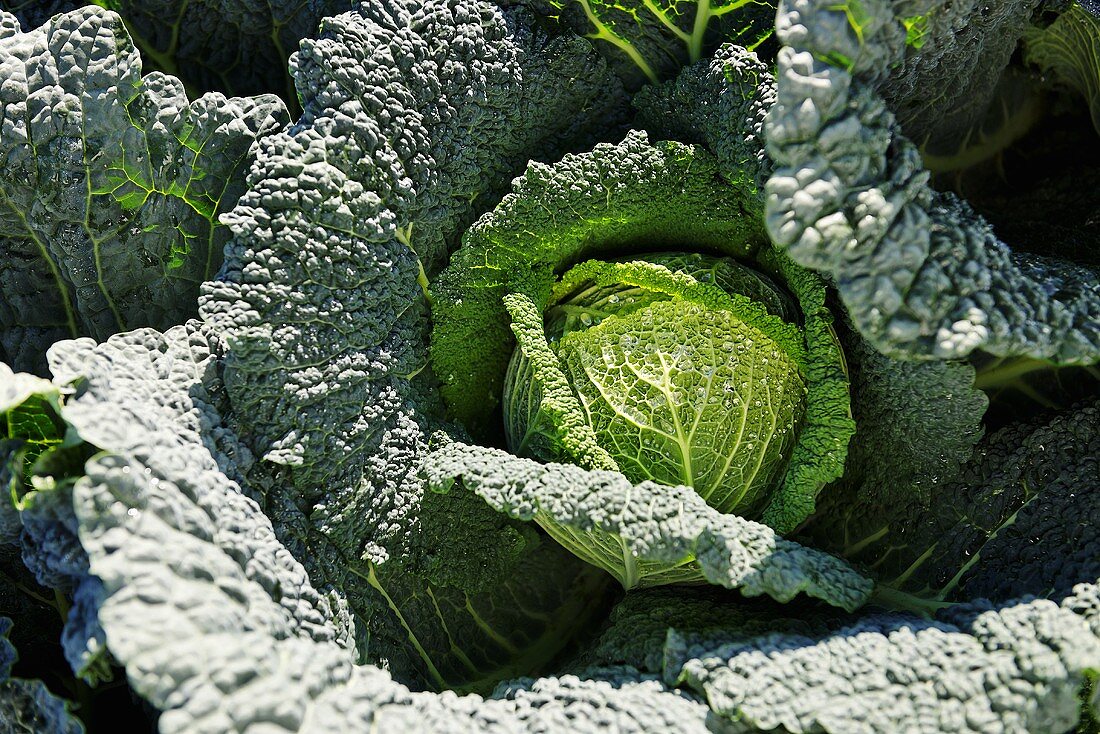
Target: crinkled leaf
1015,668
1020,518
322,317
645,528
955,53
488,599
738,89
112,184
920,273
917,424
638,628
925,507
234,599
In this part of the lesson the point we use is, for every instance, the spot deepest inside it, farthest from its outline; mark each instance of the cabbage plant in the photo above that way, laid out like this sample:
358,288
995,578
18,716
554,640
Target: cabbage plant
721,373
322,438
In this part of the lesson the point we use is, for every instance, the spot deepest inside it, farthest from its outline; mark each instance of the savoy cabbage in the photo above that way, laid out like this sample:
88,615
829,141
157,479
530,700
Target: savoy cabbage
563,366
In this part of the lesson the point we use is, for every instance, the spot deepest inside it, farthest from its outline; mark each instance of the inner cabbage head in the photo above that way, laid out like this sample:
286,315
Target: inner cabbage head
677,391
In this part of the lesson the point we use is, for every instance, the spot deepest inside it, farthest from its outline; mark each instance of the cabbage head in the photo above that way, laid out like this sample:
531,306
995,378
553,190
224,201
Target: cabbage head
694,355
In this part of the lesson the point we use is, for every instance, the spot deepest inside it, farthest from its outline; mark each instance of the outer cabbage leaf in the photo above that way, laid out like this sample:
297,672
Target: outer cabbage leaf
955,54
918,423
637,630
426,162
1031,499
1016,668
236,47
1011,668
231,634
416,115
1021,517
465,623
647,528
920,273
112,184
930,508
